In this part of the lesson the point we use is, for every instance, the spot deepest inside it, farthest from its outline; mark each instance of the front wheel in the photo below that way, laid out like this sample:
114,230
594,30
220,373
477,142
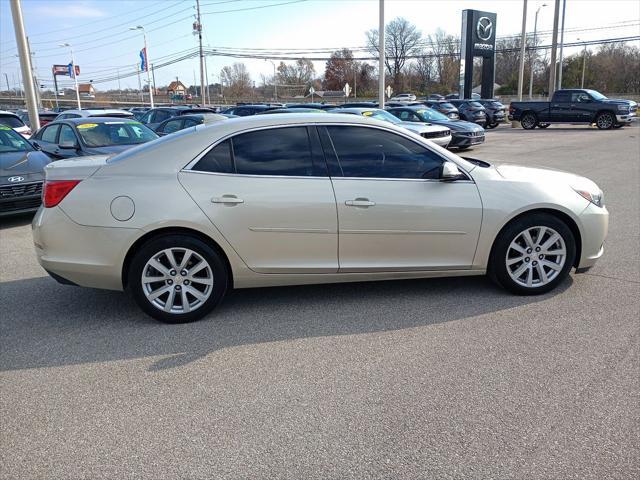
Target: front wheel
605,120
177,278
492,125
533,254
529,121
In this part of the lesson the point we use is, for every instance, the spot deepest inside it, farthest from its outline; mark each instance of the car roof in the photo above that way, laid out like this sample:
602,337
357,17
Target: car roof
4,112
83,120
358,110
93,111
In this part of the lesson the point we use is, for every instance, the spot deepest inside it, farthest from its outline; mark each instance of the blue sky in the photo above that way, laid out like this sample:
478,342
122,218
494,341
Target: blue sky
103,44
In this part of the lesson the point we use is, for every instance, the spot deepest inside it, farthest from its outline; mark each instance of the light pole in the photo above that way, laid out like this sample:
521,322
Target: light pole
381,53
523,45
534,58
584,63
564,8
147,64
275,80
25,63
73,71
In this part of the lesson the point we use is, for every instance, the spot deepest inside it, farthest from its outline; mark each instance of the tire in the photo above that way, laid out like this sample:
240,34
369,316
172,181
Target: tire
529,121
196,277
513,263
462,149
492,125
618,125
544,125
605,120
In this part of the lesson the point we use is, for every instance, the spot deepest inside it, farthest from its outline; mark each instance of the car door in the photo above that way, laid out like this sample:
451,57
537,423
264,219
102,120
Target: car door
268,193
67,135
47,139
393,212
581,108
560,109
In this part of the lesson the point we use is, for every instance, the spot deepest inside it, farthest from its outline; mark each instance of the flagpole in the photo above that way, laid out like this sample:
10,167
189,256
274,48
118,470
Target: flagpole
147,63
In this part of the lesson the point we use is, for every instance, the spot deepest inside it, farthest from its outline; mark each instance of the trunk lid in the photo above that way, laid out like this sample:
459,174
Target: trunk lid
76,168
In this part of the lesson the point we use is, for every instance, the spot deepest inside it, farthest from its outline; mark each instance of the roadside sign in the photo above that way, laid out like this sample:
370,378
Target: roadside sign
346,89
312,90
389,91
60,70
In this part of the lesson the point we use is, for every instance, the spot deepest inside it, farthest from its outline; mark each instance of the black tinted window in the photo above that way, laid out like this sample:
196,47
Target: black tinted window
161,116
49,134
11,121
217,160
373,153
561,97
279,151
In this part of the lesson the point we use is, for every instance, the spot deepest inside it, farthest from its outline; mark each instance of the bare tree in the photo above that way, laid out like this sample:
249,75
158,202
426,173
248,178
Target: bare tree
236,79
402,41
302,72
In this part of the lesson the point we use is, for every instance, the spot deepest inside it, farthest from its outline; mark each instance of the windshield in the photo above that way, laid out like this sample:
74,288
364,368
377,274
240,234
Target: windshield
596,95
427,114
114,133
11,141
11,121
447,105
380,115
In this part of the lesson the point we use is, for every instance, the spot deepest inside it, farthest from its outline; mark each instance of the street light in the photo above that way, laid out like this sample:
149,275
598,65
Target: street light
147,62
535,53
73,71
584,63
275,79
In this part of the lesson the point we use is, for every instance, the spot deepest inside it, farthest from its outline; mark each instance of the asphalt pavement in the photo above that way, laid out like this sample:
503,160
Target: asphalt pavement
442,378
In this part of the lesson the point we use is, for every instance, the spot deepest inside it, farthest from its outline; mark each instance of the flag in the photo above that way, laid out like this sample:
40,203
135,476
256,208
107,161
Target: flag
72,74
143,60
70,70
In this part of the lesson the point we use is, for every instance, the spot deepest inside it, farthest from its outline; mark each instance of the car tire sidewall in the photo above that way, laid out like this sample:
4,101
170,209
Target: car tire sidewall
497,265
606,114
532,125
152,247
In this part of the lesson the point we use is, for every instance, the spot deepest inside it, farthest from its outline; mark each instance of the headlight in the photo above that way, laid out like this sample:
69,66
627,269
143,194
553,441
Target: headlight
595,197
624,108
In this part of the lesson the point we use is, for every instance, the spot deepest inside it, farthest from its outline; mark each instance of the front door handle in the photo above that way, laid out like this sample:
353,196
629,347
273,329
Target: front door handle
360,202
227,199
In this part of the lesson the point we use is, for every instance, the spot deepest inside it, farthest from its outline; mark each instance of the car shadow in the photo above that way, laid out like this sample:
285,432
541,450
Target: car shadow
19,220
45,324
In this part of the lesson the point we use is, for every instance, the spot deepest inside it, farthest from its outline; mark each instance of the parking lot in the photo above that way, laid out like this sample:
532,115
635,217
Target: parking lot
443,378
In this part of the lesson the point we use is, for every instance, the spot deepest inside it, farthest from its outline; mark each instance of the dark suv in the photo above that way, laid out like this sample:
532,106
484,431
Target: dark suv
153,117
247,110
495,111
471,111
443,107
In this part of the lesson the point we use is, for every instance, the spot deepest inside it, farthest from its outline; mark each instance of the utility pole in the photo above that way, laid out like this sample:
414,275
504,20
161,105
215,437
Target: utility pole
25,63
35,75
584,63
381,53
199,29
564,8
554,48
523,45
534,58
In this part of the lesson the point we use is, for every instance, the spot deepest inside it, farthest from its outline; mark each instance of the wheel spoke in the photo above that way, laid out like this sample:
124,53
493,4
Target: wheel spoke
520,270
560,251
542,273
152,296
149,279
196,268
511,261
527,238
169,304
186,308
518,248
201,280
196,293
530,277
185,259
541,233
172,259
158,266
552,240
551,265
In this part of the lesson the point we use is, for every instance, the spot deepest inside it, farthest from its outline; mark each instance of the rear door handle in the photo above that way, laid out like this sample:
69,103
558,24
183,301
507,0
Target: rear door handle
360,202
227,199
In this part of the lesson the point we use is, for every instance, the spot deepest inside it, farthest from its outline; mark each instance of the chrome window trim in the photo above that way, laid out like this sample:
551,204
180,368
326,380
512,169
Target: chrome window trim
189,166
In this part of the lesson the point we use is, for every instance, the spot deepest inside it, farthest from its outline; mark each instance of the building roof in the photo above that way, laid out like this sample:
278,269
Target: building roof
176,85
86,88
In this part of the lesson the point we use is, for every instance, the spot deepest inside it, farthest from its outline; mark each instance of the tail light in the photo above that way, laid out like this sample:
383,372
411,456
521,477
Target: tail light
511,109
55,191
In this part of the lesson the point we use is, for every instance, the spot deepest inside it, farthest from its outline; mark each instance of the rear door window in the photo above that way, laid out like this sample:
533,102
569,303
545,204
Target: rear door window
49,134
216,160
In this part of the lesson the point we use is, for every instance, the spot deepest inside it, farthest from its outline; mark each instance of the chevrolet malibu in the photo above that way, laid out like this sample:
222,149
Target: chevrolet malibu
305,198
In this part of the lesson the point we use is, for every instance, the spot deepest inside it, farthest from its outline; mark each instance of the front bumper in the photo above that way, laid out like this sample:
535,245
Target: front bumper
595,225
78,254
459,140
441,141
20,198
627,117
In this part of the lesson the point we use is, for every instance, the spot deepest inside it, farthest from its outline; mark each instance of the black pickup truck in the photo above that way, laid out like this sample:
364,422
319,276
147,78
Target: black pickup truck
574,106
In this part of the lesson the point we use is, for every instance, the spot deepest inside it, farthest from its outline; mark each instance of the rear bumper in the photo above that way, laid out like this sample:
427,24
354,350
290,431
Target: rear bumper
78,254
595,225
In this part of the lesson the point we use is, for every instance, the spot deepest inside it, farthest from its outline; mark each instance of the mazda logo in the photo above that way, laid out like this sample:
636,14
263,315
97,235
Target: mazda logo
16,179
484,29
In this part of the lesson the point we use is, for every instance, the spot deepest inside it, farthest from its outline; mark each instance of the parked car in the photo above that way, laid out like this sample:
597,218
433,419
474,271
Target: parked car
154,116
575,106
138,112
248,110
456,96
401,104
95,112
318,106
291,110
471,111
441,136
45,117
446,108
403,97
21,173
463,134
13,121
359,105
176,124
495,112
436,96
75,137
257,202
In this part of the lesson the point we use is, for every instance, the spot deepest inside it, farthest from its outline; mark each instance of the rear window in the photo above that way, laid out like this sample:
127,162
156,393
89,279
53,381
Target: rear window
11,121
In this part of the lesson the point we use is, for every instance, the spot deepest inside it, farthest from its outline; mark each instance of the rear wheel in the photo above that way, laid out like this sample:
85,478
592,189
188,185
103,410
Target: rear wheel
533,254
177,278
605,120
543,125
529,121
618,125
492,125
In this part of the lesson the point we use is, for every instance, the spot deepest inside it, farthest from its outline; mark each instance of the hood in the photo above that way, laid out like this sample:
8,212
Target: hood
422,127
546,175
22,163
459,125
619,101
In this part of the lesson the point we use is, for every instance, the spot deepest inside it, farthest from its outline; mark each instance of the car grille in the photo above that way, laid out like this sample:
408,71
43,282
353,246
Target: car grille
473,134
20,190
17,205
633,109
444,133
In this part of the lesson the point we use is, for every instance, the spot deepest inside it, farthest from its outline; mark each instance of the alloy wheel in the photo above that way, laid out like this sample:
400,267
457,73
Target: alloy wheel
604,121
177,280
536,256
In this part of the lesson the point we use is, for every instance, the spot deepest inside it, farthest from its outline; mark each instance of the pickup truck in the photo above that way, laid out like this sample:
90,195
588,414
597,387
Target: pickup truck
574,106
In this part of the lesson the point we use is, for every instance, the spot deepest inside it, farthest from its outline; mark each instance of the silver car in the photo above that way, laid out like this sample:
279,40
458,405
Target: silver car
306,198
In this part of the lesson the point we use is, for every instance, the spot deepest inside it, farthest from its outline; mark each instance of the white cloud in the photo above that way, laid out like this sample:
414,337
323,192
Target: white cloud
69,10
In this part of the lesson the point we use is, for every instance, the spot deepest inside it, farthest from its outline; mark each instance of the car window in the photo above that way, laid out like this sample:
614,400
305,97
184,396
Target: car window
278,151
561,97
161,116
146,117
172,126
67,135
11,121
49,134
114,133
373,153
408,116
577,97
217,160
190,122
10,141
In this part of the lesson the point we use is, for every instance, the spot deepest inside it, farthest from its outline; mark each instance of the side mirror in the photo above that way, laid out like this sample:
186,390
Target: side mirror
449,172
68,145
36,146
